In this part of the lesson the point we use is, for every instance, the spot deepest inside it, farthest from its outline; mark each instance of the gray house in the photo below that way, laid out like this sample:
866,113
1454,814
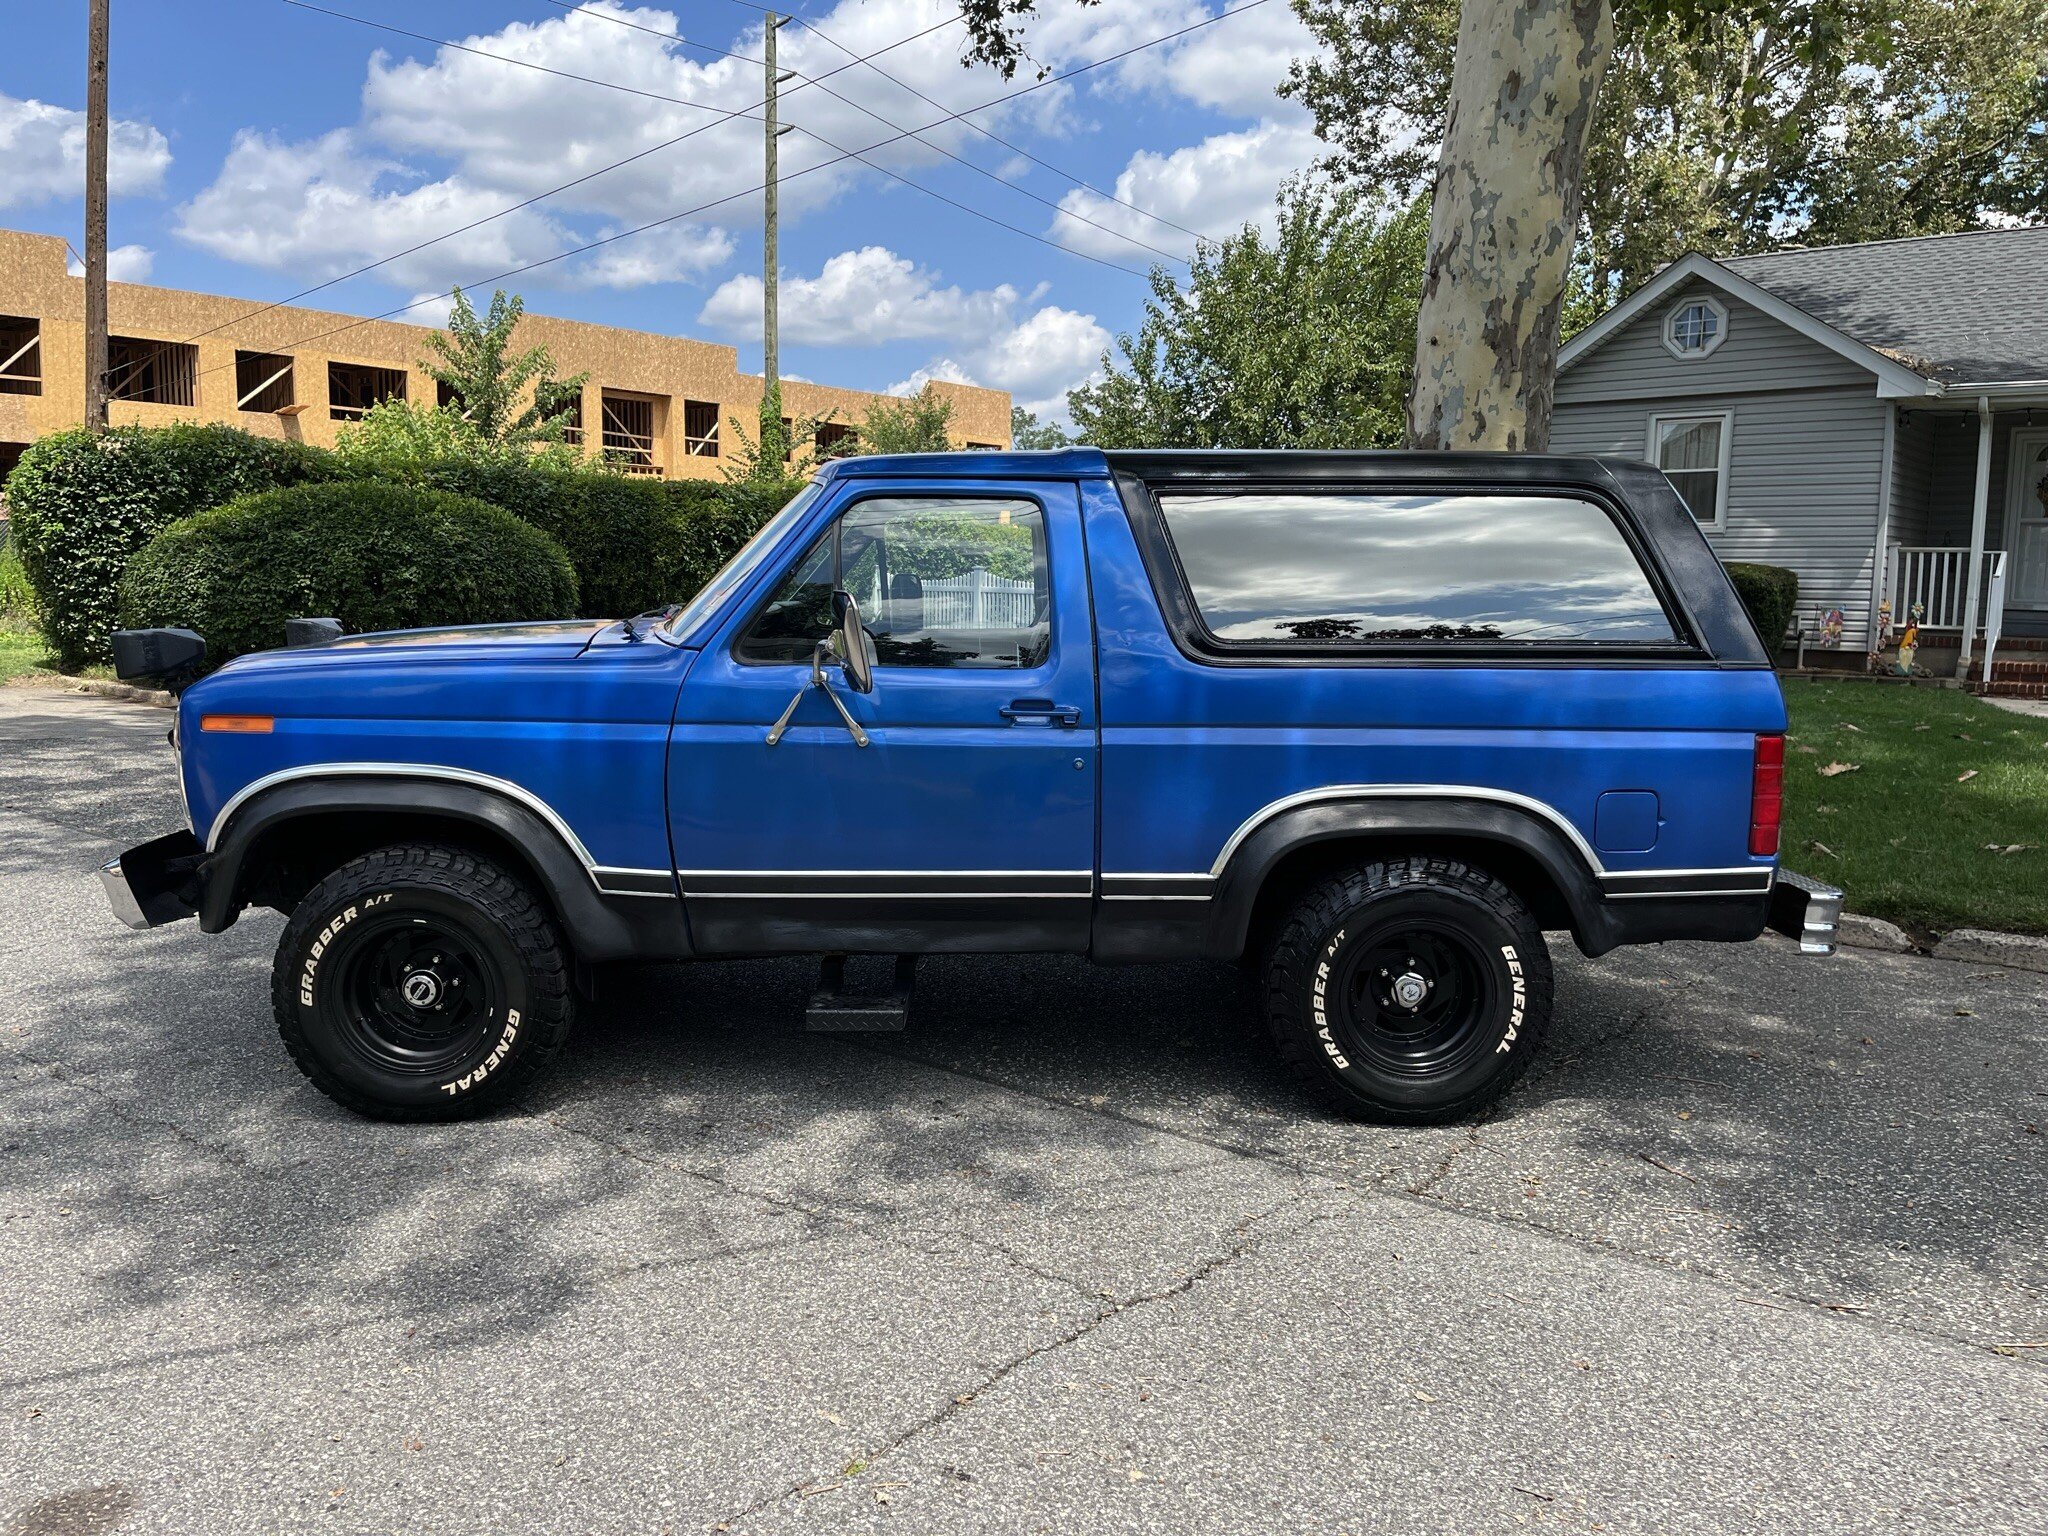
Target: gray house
1873,416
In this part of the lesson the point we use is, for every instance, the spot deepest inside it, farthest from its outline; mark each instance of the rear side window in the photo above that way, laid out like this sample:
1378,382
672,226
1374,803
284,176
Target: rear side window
1284,567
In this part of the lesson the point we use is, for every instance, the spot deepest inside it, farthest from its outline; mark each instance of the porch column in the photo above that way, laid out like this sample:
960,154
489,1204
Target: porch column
1980,509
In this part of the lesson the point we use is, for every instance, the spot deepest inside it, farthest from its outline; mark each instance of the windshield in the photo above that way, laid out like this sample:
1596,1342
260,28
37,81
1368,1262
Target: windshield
739,567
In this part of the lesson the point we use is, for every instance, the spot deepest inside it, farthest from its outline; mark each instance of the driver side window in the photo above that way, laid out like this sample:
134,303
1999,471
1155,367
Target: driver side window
942,581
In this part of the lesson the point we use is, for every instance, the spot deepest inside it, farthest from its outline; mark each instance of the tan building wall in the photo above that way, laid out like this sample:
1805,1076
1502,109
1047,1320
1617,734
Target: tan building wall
645,375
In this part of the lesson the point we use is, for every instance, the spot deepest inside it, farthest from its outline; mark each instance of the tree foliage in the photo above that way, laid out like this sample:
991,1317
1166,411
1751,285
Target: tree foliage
1301,341
1027,431
919,423
506,397
1731,128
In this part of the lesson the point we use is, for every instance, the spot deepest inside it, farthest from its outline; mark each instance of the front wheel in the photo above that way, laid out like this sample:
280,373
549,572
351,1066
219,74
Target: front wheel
1413,991
421,982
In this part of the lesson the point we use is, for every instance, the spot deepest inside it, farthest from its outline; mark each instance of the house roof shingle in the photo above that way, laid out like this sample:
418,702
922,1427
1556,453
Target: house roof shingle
1969,308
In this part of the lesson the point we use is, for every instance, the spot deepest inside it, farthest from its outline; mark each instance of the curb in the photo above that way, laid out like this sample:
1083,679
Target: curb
98,688
1965,946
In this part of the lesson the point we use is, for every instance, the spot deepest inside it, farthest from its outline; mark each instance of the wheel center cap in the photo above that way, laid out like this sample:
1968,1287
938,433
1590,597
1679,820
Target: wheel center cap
422,989
1410,989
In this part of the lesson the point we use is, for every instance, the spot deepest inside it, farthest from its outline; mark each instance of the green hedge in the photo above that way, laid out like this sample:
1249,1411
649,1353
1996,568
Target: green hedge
1771,594
636,542
372,554
81,506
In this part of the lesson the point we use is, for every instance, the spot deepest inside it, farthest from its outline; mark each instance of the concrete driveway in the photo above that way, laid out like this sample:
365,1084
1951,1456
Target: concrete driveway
1759,1247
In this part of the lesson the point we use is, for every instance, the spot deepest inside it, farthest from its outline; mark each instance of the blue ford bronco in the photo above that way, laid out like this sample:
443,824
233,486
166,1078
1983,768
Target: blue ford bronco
1370,723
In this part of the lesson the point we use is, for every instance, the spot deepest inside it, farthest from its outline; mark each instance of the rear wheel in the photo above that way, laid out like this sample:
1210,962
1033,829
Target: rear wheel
1412,991
421,982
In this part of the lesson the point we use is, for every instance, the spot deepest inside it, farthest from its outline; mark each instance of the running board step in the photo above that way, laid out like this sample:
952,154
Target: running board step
835,1010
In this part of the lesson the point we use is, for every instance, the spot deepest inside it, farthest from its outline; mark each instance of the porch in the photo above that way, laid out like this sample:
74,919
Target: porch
1964,549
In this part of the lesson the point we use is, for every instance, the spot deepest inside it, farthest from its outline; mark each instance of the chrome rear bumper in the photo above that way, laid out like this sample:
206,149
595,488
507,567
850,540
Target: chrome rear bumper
1806,910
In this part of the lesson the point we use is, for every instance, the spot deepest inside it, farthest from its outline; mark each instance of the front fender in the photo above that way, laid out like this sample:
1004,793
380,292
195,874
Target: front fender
608,914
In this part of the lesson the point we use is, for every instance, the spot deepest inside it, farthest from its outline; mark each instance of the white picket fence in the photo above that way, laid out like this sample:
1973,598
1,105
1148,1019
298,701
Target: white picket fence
978,600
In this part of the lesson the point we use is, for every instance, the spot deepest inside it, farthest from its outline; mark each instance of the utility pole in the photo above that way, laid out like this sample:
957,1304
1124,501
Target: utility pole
771,341
96,219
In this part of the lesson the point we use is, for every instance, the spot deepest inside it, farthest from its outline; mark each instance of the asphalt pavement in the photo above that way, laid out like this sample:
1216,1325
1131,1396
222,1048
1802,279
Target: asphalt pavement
1760,1246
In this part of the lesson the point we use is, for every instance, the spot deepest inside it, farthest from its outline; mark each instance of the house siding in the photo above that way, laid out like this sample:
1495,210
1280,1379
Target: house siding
1803,484
1913,479
1805,447
1758,356
1952,503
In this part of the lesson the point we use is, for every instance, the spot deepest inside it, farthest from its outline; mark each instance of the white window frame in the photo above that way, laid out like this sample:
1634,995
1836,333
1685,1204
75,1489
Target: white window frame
1674,418
1671,322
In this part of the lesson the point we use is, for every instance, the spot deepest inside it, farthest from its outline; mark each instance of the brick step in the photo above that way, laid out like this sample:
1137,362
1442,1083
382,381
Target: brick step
2019,672
2014,690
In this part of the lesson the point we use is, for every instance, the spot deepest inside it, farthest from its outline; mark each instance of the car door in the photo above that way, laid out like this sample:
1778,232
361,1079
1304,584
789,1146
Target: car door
967,821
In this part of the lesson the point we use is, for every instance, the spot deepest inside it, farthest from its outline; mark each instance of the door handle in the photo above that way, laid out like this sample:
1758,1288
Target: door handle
1041,712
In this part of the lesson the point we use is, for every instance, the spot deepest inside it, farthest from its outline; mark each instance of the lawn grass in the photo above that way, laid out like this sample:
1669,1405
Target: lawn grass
1905,836
21,649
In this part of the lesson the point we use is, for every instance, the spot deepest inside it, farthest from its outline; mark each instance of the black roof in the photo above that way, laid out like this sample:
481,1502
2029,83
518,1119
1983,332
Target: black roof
1969,307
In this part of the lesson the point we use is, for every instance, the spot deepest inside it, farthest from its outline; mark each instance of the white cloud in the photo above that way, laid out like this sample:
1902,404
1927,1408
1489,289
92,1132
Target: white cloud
1234,65
43,150
125,264
322,207
861,298
1037,360
672,254
1214,187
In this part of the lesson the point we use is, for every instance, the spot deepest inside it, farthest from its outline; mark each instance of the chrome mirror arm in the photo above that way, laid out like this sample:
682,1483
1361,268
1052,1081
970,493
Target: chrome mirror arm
817,680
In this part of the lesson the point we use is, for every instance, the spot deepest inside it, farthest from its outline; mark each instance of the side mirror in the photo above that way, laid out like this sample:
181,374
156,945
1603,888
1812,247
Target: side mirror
850,640
173,656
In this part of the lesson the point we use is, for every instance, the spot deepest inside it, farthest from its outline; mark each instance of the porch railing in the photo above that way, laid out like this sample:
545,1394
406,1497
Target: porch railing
1938,577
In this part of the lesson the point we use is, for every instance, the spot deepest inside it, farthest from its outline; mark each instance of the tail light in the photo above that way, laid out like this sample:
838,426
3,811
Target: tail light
1766,795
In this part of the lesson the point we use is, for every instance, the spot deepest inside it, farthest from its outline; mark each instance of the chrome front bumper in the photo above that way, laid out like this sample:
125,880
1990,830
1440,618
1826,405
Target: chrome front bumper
155,882
1806,910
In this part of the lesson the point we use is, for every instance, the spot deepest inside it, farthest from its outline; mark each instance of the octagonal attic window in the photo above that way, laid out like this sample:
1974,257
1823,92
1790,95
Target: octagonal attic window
1695,327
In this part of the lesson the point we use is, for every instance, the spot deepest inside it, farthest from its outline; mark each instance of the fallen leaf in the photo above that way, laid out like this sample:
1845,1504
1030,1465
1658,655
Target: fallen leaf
1966,775
1830,770
1923,727
1685,1114
2004,848
1964,1013
830,1418
1810,751
1823,848
1424,1397
1856,728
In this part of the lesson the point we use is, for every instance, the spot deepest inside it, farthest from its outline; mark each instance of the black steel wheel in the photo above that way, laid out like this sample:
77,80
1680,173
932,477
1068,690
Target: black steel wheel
421,983
1411,991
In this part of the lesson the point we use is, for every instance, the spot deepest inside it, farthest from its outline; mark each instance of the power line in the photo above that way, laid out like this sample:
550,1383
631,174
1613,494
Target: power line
538,197
1058,208
811,133
987,133
627,234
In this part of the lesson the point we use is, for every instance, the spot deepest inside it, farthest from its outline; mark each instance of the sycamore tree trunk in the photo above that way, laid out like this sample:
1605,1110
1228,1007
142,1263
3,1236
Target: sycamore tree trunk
1501,227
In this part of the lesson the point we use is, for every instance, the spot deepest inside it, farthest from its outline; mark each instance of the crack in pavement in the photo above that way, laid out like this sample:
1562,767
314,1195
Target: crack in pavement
1607,1248
1248,1242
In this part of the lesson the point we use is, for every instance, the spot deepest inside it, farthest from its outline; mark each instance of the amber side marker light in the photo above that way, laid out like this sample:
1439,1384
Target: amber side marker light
244,725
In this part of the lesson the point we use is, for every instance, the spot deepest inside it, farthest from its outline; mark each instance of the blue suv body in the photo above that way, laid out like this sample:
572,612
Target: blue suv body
1373,722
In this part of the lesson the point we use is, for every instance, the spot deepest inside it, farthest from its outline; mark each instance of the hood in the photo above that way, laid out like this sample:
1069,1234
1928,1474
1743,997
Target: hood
558,634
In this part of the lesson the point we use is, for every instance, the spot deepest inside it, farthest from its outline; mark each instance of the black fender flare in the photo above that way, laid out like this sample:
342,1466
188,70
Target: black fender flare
1410,819
613,921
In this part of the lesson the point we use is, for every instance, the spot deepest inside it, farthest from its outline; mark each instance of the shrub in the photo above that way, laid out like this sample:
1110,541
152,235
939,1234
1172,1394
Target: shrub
82,505
374,555
1770,593
637,543
17,598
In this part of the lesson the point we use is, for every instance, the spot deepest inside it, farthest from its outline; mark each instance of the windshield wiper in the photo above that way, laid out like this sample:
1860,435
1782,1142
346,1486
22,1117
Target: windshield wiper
640,623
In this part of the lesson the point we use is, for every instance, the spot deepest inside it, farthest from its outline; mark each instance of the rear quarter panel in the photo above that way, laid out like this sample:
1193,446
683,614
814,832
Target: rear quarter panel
1194,751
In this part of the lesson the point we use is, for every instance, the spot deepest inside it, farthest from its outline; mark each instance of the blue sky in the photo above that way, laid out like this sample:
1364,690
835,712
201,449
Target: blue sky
261,147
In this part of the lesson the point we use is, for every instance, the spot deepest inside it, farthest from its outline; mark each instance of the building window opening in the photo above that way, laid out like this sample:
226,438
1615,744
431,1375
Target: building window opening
352,388
568,410
21,356
152,372
700,429
835,440
263,382
629,433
